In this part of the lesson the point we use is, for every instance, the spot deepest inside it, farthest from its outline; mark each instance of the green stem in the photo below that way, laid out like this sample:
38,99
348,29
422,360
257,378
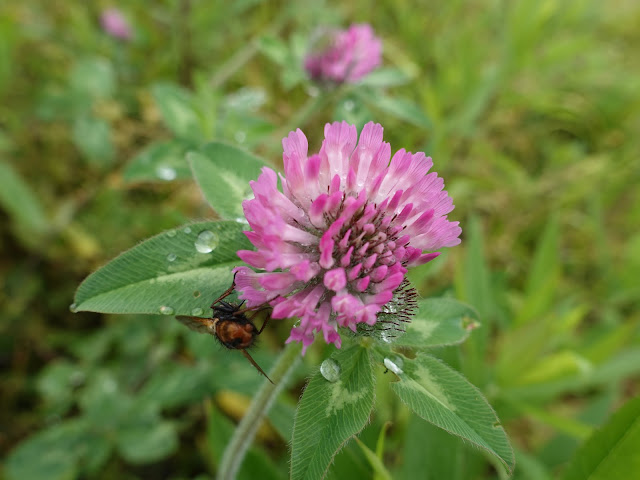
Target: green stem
248,426
245,54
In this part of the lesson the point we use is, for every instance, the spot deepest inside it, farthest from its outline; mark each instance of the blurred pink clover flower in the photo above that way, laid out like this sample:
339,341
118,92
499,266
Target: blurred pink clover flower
115,24
347,56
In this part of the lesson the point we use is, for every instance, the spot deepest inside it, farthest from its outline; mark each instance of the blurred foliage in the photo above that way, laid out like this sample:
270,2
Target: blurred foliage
530,110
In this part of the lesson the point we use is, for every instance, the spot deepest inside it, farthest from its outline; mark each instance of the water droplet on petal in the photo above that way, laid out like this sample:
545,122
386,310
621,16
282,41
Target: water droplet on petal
166,173
171,233
330,370
187,230
73,307
165,310
196,312
394,365
206,242
171,257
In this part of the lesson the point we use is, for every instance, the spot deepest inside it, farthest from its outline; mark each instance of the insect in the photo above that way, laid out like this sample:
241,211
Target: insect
230,325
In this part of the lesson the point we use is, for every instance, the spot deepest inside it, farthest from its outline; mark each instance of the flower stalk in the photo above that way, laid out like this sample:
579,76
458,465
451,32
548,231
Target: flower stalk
246,430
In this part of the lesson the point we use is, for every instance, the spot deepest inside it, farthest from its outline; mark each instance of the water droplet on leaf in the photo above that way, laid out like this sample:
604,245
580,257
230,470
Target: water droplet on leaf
240,136
196,312
171,257
166,173
330,370
348,105
171,233
206,242
165,310
73,307
196,293
394,365
187,230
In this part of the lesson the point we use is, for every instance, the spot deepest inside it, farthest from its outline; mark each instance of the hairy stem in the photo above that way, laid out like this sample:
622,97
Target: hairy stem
248,426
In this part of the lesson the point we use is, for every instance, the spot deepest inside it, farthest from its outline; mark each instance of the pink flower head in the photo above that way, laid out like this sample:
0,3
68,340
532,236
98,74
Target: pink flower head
350,55
334,246
115,24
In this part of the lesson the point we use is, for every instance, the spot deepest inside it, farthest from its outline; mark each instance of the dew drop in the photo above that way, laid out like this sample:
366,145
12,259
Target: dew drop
330,370
348,105
187,230
73,307
171,233
394,365
206,242
109,385
166,173
165,310
240,136
196,312
196,293
171,257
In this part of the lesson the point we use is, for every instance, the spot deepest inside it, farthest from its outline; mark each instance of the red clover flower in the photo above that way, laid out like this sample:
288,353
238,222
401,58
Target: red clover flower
115,24
350,55
334,246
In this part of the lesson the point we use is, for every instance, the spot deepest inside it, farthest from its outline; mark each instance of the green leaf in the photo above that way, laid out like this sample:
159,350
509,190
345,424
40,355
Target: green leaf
380,471
176,384
92,136
93,77
53,453
147,441
543,277
160,161
102,401
445,398
223,173
166,273
429,449
178,110
19,200
330,413
473,285
56,382
624,364
439,321
530,467
385,77
274,48
612,451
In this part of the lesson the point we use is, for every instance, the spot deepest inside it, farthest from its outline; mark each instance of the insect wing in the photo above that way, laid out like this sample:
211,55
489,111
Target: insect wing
200,325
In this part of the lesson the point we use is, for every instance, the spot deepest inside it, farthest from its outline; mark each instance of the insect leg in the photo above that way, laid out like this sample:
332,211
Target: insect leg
227,292
253,362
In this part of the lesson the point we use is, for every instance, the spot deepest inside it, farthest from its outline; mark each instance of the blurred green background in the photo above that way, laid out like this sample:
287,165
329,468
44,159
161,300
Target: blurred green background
531,112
